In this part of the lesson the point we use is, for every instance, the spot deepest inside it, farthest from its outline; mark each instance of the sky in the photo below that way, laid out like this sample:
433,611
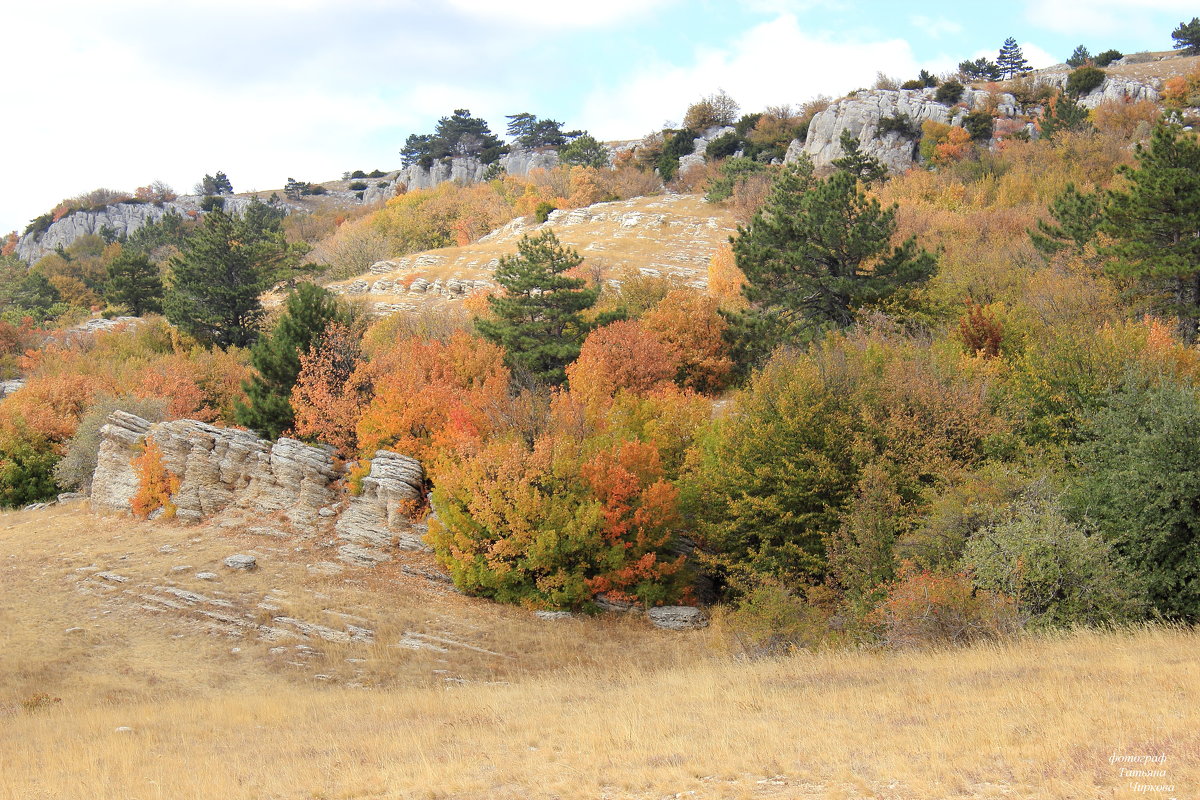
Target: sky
121,93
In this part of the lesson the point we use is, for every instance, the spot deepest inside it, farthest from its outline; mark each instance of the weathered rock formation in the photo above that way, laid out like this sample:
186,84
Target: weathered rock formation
861,116
862,113
460,170
120,218
223,469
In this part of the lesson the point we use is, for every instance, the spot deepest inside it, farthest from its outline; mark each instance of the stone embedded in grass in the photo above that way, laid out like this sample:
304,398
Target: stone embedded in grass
677,618
240,561
553,614
206,576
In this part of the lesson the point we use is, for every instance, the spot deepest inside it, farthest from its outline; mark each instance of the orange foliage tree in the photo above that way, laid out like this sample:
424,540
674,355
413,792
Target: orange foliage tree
621,355
693,330
431,395
156,483
332,389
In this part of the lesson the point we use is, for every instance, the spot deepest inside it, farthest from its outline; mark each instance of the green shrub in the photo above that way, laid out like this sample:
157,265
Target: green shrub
1108,57
27,472
1138,486
913,84
357,186
1059,575
723,146
733,171
770,621
542,212
979,125
358,173
949,92
901,124
1083,80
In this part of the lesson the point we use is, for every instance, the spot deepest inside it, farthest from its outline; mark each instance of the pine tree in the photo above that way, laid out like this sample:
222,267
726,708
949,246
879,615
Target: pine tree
866,168
981,69
539,320
1079,57
308,310
815,253
223,266
1187,37
1155,223
134,282
1010,62
1078,216
1063,113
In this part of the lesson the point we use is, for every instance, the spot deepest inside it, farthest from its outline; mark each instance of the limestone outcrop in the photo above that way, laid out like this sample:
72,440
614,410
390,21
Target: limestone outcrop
861,116
862,113
465,170
120,218
224,469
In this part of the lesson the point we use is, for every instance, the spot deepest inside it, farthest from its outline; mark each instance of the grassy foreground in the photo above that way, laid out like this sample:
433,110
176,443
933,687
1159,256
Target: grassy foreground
574,709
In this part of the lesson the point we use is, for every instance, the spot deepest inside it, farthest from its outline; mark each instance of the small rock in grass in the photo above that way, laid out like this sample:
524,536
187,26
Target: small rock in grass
241,561
206,576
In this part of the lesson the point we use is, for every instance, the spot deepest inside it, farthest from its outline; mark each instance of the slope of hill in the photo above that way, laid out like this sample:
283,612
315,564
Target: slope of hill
123,678
673,236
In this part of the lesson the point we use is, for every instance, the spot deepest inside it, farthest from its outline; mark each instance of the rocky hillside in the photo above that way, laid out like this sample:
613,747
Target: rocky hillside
863,113
674,236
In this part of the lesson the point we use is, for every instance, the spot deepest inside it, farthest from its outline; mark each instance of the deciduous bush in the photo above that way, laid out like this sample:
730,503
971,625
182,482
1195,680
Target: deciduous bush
1057,574
923,608
74,472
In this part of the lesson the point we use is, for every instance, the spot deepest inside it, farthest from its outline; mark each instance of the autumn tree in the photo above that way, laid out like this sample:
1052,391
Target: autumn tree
1155,224
332,389
538,320
689,324
624,355
276,358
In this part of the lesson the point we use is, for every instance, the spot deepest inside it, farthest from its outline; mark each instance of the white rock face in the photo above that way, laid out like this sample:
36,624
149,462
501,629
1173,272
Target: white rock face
459,170
677,618
378,517
121,218
1114,89
860,115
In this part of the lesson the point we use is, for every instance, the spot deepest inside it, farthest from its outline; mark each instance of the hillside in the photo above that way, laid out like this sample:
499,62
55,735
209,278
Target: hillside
148,690
674,236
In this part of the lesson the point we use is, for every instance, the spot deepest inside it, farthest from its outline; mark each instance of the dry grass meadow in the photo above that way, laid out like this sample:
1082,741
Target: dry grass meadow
457,698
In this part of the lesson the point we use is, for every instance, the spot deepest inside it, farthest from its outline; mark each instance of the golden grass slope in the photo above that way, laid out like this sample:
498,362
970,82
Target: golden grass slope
510,706
673,236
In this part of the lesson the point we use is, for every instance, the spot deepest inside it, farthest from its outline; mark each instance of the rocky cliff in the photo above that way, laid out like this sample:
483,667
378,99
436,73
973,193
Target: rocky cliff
120,218
459,170
862,113
224,470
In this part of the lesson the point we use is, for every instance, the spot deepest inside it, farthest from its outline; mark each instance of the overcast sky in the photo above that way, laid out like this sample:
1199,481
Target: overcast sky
123,92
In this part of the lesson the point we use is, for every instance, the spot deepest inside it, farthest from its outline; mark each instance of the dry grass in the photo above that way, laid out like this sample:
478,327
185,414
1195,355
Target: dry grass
581,708
673,235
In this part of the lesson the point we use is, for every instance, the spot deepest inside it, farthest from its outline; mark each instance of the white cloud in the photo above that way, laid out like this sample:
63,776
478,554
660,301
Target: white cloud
555,13
936,27
1139,18
773,63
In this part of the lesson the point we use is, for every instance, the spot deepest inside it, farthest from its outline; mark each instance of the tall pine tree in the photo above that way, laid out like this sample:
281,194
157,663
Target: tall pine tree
815,253
866,168
1078,216
1155,224
308,310
134,282
1011,62
223,267
539,318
